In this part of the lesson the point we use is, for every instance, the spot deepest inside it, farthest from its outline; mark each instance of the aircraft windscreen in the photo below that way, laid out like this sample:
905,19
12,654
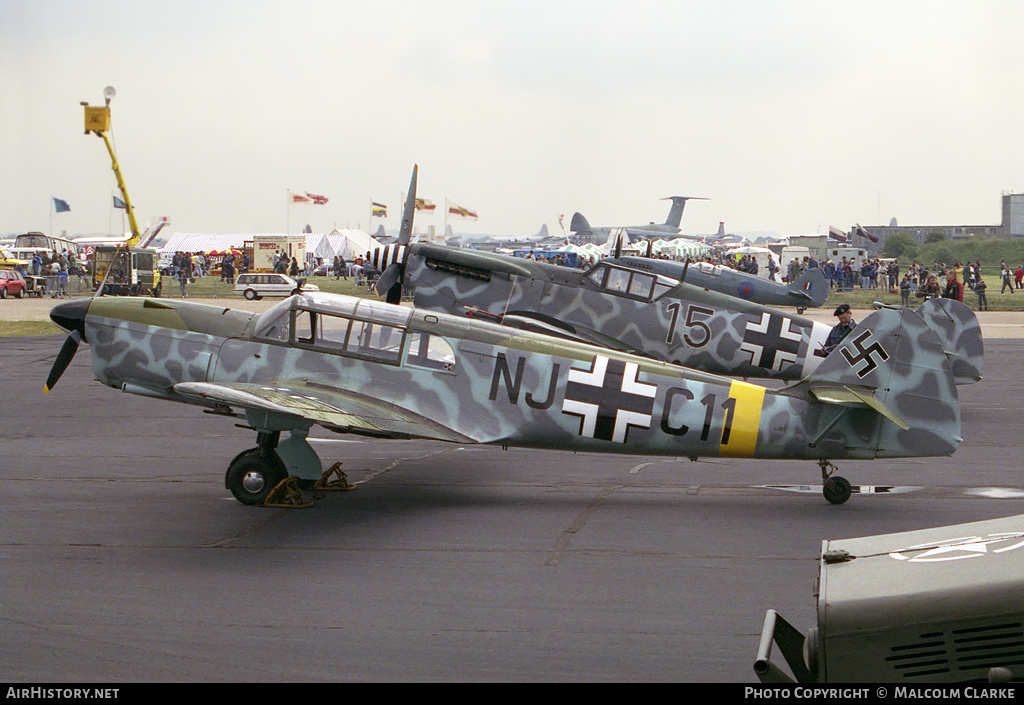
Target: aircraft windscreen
273,323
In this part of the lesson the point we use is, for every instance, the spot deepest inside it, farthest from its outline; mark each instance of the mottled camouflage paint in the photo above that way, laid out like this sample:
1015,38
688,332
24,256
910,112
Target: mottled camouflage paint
523,389
680,323
683,324
959,332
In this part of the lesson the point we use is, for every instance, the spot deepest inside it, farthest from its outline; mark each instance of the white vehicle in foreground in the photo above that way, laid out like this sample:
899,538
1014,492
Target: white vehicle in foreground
256,285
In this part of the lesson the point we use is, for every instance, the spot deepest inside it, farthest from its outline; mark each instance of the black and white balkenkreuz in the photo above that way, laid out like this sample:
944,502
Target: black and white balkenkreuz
772,343
609,398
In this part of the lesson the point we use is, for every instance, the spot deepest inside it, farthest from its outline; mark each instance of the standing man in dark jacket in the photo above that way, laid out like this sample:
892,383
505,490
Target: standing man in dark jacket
840,330
954,287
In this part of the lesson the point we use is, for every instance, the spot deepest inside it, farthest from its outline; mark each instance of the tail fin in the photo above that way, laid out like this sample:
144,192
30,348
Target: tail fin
810,289
675,214
893,390
579,224
959,332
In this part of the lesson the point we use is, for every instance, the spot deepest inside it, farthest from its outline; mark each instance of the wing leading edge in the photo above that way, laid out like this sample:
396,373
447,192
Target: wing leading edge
337,410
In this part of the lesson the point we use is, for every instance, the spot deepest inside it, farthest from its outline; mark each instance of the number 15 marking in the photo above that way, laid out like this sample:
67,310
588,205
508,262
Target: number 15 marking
691,311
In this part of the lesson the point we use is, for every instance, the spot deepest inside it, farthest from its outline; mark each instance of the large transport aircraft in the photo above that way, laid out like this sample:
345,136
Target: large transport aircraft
670,228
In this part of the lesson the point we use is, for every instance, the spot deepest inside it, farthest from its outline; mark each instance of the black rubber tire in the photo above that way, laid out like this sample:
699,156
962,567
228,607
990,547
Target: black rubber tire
251,476
250,295
837,490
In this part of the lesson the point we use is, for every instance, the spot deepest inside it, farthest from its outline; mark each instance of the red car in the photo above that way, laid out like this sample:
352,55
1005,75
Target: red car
11,282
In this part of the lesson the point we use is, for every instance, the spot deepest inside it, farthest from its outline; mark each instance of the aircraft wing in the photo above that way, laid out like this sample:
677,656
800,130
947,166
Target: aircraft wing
336,409
537,323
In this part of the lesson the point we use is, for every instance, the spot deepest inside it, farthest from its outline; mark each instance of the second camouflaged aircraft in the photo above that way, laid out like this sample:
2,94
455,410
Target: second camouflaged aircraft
631,304
637,305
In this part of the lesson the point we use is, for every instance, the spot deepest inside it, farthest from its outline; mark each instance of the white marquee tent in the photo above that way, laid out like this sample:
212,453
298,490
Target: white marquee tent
761,254
347,243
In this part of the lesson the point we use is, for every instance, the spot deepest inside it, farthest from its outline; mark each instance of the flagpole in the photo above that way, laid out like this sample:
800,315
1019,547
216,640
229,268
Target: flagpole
288,212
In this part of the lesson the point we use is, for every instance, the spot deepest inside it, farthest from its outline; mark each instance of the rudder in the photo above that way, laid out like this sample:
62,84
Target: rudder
959,332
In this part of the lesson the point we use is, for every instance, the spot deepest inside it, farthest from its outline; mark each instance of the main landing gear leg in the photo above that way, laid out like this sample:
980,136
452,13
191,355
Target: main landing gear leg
835,488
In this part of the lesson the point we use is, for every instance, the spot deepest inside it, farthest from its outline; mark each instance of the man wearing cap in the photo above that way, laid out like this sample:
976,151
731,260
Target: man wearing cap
841,329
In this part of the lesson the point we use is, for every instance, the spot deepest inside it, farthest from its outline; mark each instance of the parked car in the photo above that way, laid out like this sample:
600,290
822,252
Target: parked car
11,282
256,285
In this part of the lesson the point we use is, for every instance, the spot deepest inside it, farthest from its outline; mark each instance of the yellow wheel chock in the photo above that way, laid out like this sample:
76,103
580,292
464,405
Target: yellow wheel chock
340,482
287,495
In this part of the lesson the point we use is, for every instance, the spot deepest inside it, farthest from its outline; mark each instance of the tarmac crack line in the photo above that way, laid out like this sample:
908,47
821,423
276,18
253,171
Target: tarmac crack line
395,463
558,550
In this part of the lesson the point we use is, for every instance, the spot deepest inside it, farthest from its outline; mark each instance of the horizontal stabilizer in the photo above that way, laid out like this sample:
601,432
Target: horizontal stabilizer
849,396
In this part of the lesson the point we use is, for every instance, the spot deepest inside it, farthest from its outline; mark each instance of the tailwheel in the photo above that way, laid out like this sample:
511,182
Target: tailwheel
836,489
253,474
334,480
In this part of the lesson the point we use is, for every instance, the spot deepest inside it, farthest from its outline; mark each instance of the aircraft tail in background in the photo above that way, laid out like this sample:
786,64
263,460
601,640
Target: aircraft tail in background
810,288
675,214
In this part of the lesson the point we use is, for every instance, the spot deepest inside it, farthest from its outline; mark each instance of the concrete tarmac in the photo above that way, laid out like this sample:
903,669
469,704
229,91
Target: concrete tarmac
124,559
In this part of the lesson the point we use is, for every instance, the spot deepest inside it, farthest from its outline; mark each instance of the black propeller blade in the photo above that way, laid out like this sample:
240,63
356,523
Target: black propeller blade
389,283
71,317
67,352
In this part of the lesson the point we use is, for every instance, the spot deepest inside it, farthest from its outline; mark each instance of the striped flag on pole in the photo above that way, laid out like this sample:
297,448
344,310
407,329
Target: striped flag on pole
455,209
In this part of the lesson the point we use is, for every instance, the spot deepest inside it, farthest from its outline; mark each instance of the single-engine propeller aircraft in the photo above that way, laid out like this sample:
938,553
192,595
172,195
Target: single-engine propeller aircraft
809,290
388,371
367,367
638,305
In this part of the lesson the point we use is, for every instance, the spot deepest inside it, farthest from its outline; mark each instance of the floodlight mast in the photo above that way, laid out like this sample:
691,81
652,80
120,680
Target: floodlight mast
97,121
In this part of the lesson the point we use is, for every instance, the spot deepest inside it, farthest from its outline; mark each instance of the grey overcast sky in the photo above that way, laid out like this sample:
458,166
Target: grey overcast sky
789,115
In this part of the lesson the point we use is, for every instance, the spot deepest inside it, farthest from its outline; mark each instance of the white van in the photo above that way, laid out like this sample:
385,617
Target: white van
256,285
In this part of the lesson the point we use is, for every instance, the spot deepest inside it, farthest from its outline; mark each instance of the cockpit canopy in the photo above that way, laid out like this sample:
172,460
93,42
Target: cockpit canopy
352,327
